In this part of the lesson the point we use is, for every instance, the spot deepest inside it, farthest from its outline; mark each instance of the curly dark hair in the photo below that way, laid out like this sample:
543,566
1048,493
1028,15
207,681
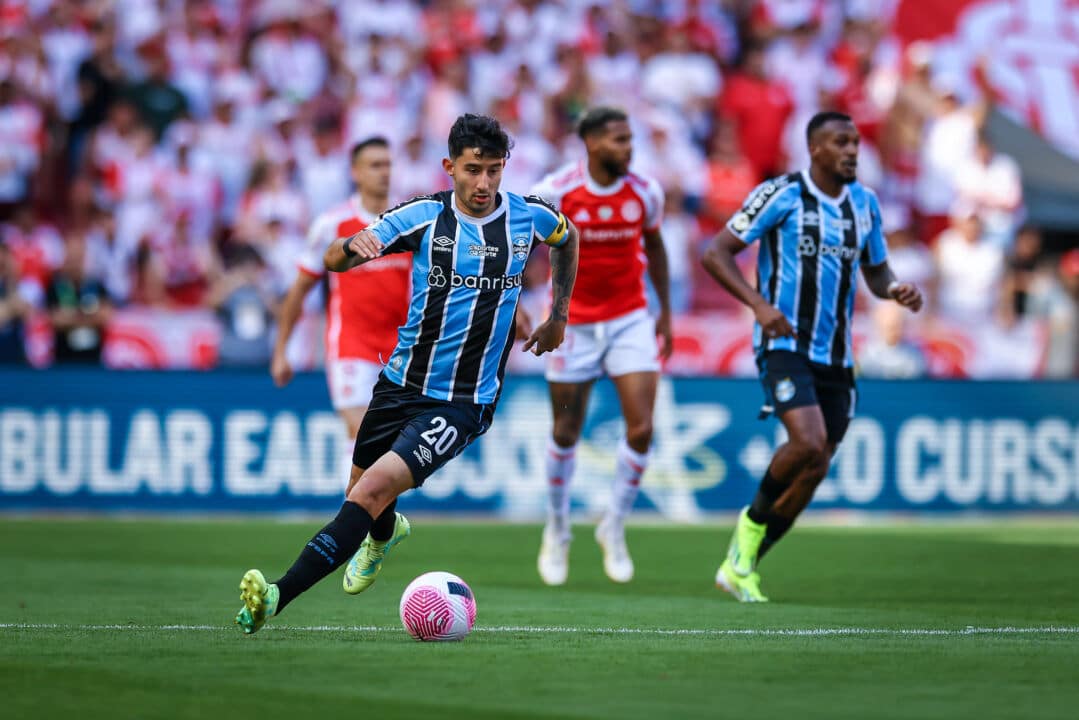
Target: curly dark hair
482,132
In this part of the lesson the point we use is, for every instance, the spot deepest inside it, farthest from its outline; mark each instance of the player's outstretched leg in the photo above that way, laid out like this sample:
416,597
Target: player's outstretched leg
260,601
363,568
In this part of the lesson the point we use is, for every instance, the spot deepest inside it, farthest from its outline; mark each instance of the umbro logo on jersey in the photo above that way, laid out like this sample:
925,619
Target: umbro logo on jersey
483,251
443,243
582,216
811,218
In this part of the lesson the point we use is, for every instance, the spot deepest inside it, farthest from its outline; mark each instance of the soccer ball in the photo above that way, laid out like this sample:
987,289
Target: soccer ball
438,606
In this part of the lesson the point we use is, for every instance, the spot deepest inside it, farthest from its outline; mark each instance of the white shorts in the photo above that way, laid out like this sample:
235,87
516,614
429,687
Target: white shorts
624,345
351,381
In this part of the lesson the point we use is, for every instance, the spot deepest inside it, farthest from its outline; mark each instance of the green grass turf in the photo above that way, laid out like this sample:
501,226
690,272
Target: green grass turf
145,575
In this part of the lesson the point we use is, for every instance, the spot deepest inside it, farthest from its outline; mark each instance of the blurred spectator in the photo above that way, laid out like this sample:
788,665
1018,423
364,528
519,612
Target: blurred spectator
729,180
323,177
79,307
1021,276
1062,303
989,181
12,311
759,108
21,127
286,56
950,139
889,353
244,309
970,271
158,101
681,234
414,172
36,248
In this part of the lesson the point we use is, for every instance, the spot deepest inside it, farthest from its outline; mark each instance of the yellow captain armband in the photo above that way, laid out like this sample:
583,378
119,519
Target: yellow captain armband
558,235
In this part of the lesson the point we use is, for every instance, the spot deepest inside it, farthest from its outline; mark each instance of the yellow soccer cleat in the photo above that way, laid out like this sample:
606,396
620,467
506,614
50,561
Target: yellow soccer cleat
363,568
745,588
260,601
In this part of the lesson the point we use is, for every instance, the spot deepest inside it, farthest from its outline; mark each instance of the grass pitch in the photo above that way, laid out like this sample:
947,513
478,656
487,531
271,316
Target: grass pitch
133,619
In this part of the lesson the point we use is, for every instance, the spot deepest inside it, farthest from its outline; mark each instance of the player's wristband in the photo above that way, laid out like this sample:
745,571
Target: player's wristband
347,248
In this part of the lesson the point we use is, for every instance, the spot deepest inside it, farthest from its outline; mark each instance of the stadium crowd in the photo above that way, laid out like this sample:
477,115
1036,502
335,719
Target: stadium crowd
171,154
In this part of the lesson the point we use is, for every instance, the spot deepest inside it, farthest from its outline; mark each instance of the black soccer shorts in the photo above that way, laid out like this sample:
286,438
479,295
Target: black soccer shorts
790,380
425,432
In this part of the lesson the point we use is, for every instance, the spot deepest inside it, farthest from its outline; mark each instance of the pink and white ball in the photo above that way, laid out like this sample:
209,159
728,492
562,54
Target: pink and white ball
438,606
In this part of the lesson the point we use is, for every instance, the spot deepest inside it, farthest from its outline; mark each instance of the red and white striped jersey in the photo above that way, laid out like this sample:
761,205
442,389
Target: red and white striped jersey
367,304
611,221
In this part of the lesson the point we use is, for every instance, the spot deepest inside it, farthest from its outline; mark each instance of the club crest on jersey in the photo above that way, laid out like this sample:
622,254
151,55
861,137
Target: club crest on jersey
631,211
520,246
784,390
486,251
605,212
865,223
443,243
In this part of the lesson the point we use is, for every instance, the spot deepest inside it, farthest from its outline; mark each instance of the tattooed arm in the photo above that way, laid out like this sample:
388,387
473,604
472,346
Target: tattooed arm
549,334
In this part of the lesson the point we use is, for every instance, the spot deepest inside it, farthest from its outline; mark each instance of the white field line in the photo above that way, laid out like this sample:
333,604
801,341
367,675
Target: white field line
545,630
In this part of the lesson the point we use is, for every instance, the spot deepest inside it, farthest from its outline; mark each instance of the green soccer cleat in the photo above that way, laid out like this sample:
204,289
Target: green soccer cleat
746,588
365,565
745,544
260,601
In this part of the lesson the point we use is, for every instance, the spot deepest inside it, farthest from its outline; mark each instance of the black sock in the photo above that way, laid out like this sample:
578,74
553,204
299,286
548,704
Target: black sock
777,528
769,491
328,550
382,527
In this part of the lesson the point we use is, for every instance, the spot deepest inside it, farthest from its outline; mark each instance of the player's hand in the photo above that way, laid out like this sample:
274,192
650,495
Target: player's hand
522,325
546,337
773,323
280,370
666,337
906,294
365,245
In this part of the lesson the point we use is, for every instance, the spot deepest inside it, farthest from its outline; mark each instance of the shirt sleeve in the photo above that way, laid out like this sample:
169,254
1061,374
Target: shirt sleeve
318,239
401,229
653,205
549,226
765,208
547,190
875,250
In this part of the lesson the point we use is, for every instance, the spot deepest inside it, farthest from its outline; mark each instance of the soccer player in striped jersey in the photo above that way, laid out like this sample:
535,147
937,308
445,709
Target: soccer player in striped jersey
815,229
610,333
365,306
439,389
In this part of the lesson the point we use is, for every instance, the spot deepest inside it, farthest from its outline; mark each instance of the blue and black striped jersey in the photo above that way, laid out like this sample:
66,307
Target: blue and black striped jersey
466,280
811,246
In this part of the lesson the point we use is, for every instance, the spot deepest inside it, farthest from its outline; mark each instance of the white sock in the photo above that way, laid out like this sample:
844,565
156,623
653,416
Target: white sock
560,465
628,469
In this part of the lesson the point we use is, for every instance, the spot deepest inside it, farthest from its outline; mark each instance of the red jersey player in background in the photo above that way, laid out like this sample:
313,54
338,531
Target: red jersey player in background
610,331
365,306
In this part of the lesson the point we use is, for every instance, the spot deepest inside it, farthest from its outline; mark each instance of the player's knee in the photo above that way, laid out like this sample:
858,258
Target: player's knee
639,435
813,458
372,496
566,432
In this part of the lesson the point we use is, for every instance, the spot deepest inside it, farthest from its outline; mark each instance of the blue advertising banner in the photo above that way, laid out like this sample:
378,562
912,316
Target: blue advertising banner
91,439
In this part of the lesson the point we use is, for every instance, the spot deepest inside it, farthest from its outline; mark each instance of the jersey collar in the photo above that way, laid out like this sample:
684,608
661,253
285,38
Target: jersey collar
499,211
823,196
595,188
